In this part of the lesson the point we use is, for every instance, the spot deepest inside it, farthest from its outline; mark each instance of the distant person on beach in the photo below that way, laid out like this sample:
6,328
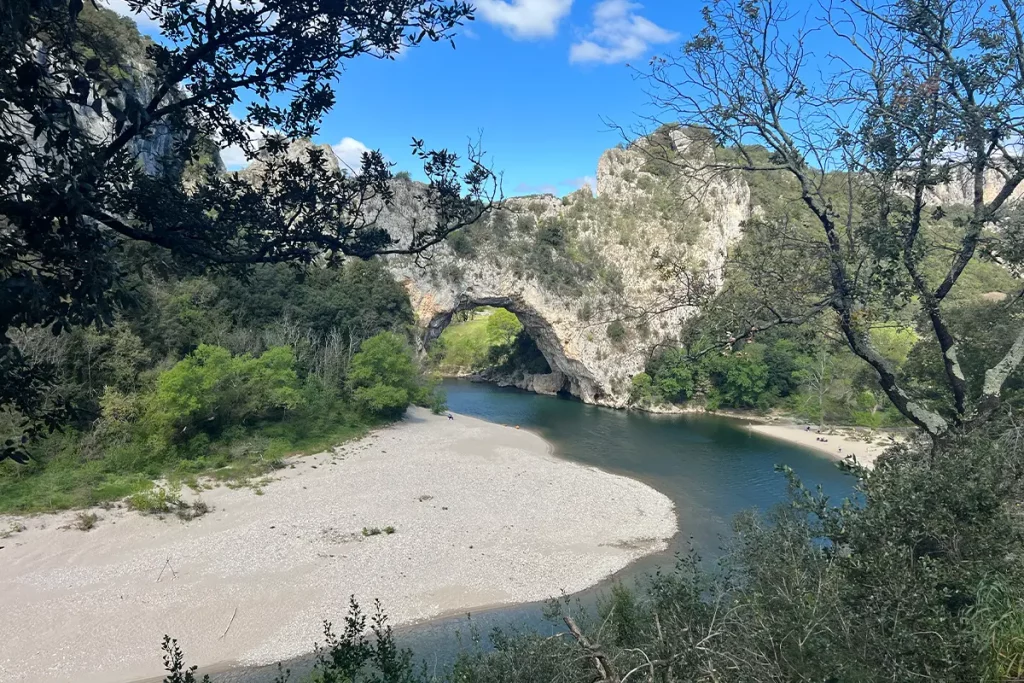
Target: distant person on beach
450,416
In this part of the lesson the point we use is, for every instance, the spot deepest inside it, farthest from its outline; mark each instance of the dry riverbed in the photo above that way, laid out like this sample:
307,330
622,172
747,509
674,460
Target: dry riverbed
482,515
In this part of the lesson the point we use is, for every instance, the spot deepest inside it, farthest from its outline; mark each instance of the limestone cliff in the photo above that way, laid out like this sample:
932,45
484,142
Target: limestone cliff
586,275
125,62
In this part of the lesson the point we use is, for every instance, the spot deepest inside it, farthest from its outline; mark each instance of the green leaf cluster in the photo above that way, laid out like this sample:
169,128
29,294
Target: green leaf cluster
210,389
384,378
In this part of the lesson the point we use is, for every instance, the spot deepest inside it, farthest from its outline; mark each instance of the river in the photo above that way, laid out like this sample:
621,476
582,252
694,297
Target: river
711,467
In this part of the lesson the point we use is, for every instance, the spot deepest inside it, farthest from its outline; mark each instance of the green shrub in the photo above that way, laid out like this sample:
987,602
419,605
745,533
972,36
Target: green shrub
437,402
157,500
384,378
616,331
160,500
462,243
210,389
641,389
383,400
673,378
740,380
502,327
551,232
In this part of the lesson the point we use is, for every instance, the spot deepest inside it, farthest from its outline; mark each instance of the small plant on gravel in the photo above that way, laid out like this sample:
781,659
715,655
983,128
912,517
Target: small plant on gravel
389,530
86,521
161,501
174,664
156,501
187,512
371,531
14,528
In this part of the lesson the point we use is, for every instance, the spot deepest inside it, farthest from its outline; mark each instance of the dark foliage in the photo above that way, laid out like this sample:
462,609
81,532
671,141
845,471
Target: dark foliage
84,102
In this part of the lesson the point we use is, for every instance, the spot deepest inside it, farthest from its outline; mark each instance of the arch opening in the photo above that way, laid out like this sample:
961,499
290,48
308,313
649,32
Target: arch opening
497,339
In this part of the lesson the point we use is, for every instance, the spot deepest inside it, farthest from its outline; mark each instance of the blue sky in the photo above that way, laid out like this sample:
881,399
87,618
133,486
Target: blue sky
533,77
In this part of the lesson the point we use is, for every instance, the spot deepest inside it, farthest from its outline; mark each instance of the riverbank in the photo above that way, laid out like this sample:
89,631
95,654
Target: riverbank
482,515
836,442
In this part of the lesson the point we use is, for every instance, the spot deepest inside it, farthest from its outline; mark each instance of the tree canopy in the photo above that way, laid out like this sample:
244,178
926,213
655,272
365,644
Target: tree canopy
106,141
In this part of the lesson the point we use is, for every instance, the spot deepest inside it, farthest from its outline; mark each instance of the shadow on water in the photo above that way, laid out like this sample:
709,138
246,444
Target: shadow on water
711,467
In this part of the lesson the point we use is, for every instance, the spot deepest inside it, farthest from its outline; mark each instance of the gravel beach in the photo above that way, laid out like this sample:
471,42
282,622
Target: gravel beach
867,446
483,515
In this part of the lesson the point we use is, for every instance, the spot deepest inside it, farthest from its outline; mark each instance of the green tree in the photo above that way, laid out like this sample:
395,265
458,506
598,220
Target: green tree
673,376
616,331
781,357
210,388
641,390
817,375
502,327
384,379
739,380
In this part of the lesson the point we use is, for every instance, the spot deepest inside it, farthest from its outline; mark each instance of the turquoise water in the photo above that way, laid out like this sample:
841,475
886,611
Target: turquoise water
711,467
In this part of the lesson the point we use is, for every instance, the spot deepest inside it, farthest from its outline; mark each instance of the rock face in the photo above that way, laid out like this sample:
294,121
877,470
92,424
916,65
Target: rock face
586,275
155,152
960,189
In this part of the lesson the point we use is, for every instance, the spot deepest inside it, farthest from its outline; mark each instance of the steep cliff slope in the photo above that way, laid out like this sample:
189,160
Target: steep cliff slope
121,52
587,275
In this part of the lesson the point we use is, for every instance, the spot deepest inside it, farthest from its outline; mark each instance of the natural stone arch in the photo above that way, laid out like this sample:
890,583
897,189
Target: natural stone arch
583,273
567,374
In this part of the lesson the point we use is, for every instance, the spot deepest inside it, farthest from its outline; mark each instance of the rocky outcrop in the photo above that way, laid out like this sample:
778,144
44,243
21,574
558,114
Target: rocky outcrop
156,152
586,275
959,190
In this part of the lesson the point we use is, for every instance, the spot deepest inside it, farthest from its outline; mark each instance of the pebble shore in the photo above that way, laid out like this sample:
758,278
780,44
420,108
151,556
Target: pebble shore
482,514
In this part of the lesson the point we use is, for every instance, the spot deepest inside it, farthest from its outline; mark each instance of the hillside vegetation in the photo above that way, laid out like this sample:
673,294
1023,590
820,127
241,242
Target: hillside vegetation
213,375
228,321
807,369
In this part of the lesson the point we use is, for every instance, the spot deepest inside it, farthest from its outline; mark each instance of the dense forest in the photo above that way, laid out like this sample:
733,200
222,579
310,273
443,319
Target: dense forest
215,375
195,370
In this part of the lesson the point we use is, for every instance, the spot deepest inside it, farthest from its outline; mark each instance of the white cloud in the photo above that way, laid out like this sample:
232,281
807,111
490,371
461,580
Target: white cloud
233,156
577,183
556,188
122,8
618,34
350,154
349,151
525,18
528,189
